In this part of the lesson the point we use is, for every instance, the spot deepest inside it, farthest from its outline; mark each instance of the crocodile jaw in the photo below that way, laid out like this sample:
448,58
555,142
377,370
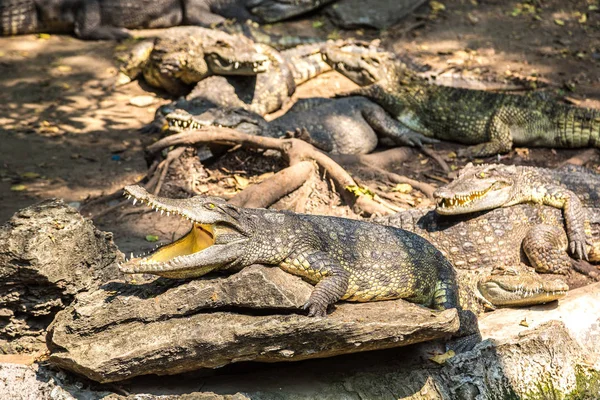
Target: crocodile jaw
517,294
176,259
450,202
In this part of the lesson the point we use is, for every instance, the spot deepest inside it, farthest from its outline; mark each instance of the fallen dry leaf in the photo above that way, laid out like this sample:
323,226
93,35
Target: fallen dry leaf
442,358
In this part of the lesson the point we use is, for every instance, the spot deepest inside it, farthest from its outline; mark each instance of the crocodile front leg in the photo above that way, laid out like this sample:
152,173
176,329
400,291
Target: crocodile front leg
319,267
559,197
384,124
546,249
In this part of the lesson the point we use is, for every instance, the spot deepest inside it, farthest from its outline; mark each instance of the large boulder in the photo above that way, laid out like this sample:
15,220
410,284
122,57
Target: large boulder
122,330
48,254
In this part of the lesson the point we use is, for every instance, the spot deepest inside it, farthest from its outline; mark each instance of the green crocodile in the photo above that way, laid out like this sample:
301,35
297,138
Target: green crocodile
110,19
490,122
183,56
353,125
345,259
488,186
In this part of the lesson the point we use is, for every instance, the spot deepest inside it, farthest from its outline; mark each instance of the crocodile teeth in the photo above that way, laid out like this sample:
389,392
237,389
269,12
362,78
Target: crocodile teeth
134,201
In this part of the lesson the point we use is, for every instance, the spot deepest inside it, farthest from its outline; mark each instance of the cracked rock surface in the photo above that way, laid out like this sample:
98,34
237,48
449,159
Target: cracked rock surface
48,254
121,330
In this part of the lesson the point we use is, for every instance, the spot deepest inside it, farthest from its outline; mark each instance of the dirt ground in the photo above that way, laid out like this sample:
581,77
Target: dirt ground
68,132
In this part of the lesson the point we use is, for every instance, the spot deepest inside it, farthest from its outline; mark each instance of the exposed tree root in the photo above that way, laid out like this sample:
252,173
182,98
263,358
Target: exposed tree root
383,159
377,163
581,158
294,150
270,190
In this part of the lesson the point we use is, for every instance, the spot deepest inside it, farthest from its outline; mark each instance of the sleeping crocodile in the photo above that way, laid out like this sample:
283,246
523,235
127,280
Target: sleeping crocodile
353,125
345,259
183,56
491,122
109,19
488,186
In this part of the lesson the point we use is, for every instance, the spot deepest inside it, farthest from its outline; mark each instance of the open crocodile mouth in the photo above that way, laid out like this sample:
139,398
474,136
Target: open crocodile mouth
200,237
240,67
461,200
180,122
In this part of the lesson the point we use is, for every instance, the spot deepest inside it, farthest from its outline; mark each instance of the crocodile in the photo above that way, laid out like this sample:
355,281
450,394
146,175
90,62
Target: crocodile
353,125
503,240
489,122
110,19
261,94
183,56
488,186
345,259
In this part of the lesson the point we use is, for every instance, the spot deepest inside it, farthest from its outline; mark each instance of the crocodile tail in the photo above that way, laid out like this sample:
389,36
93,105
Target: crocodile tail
305,62
578,127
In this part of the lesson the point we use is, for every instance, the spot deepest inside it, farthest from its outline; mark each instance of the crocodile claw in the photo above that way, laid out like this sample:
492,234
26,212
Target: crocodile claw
314,309
417,140
578,249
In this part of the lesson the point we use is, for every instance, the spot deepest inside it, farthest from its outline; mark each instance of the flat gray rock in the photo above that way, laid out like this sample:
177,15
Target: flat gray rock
48,254
378,14
122,330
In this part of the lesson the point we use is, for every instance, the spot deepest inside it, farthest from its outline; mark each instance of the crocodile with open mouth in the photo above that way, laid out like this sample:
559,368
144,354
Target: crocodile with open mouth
490,122
488,186
345,259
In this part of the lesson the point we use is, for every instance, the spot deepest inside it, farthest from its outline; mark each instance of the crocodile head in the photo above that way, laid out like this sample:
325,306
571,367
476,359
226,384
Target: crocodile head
278,10
477,188
518,290
214,241
361,63
224,58
234,118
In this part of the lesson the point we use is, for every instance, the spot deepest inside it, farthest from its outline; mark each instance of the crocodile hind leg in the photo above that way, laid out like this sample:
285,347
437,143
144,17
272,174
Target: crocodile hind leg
546,248
500,138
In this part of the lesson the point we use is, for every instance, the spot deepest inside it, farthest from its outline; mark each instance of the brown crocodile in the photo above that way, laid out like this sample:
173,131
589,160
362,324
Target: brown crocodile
182,56
488,186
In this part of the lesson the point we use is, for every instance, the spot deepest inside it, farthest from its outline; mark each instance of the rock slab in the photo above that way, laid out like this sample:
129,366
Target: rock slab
48,254
121,331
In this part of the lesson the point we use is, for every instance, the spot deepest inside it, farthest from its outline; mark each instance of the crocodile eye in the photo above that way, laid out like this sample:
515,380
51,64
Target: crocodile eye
210,206
481,175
